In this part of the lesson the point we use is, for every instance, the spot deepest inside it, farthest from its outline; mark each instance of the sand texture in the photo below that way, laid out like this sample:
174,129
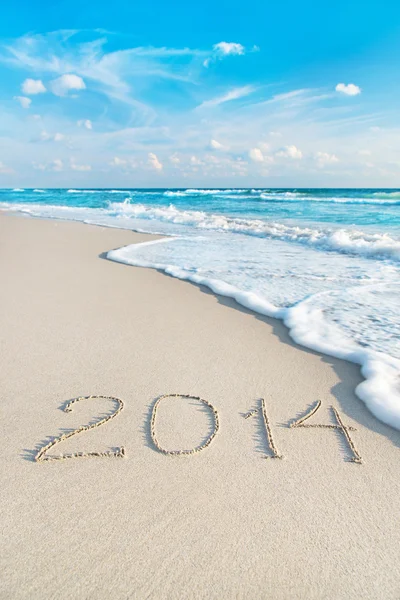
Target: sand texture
243,508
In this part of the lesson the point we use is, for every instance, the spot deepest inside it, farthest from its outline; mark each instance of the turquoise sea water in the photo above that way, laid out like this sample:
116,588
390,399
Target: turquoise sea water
369,207
327,262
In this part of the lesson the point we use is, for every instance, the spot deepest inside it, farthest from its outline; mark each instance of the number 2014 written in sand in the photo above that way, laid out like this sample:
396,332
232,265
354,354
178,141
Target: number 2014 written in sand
260,411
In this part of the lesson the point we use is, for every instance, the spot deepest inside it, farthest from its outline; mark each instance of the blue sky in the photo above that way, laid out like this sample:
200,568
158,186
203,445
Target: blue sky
207,94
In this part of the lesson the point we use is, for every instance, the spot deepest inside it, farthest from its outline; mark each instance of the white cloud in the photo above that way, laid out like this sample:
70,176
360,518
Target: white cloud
4,169
323,158
55,165
125,163
216,145
86,123
256,155
233,94
290,152
30,87
226,48
39,166
49,137
76,167
223,49
118,162
62,85
154,162
350,89
24,102
264,146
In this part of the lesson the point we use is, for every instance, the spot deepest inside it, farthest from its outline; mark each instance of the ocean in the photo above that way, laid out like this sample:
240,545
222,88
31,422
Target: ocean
325,261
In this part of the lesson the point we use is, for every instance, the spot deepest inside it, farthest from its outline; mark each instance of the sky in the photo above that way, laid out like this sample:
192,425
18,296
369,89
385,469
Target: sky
209,94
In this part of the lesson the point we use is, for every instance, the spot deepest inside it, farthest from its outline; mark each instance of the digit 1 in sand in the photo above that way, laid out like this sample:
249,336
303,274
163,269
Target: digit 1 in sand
271,443
268,431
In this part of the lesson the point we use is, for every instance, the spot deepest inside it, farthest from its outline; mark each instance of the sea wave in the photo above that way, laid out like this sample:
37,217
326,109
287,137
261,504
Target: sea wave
174,194
377,246
394,195
307,326
388,200
276,195
201,192
83,191
380,246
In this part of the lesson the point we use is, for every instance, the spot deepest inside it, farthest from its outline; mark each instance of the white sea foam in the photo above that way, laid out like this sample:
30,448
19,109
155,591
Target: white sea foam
307,325
201,192
374,199
176,194
346,241
83,191
377,246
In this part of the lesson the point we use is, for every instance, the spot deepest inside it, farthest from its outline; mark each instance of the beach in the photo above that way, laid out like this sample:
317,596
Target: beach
221,523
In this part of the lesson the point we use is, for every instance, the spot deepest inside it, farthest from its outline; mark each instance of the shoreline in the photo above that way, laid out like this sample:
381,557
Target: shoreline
306,325
220,524
379,389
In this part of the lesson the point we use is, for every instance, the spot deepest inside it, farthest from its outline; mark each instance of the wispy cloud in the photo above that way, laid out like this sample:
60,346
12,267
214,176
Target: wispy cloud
76,167
23,100
86,123
112,73
287,96
215,145
55,53
44,136
55,165
154,162
4,169
324,158
118,162
234,94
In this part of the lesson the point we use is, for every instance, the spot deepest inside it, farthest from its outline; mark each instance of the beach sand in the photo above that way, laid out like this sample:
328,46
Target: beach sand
222,523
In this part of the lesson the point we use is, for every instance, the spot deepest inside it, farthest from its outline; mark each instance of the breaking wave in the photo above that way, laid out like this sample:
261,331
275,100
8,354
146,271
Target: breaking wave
379,246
